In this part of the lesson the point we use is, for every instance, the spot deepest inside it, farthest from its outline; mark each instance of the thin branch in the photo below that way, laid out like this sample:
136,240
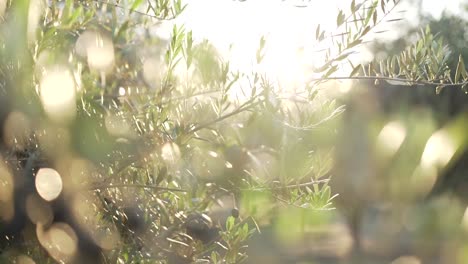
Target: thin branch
134,11
289,186
383,78
144,186
221,118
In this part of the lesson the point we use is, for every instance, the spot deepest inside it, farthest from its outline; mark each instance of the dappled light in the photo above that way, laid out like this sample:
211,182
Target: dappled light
3,5
98,49
424,179
59,240
170,153
17,129
38,210
36,8
23,259
104,234
439,149
58,94
6,192
232,132
48,183
391,137
117,125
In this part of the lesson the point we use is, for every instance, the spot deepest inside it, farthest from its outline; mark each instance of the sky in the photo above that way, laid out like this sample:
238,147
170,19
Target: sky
235,28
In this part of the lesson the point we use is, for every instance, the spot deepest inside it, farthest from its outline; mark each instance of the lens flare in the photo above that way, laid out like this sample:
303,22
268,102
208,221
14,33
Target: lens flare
98,48
58,94
439,150
48,184
391,137
170,153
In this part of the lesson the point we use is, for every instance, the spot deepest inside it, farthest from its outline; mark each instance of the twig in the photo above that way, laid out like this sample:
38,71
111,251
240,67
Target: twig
383,78
134,11
289,186
243,108
123,185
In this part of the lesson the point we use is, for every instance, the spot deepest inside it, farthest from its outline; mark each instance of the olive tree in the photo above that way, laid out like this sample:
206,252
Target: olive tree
120,146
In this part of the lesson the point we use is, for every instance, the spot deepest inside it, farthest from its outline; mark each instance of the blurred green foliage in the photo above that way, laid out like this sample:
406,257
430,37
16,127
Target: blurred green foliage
166,155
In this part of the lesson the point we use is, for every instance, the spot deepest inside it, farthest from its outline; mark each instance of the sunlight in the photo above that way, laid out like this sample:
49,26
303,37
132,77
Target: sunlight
439,150
6,192
391,137
117,125
290,49
23,259
58,93
98,49
170,153
103,233
153,70
17,130
59,240
423,179
3,4
35,12
48,183
62,242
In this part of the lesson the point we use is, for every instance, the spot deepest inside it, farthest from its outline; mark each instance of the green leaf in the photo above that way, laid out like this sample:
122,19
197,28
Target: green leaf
230,221
365,31
459,68
354,43
331,71
317,32
370,13
463,69
136,4
439,88
340,18
355,70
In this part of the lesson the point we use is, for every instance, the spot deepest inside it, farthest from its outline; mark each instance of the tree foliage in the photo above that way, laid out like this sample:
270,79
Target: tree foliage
164,153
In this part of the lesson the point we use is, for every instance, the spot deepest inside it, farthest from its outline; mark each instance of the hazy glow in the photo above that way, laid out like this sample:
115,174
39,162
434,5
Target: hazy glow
289,32
6,192
6,183
391,137
38,210
208,165
423,179
58,94
48,183
23,259
17,129
170,153
35,12
60,241
98,48
3,4
117,125
63,239
439,150
85,210
465,220
152,71
436,8
122,91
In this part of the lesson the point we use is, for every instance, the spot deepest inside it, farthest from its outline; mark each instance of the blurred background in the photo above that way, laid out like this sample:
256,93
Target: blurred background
205,132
